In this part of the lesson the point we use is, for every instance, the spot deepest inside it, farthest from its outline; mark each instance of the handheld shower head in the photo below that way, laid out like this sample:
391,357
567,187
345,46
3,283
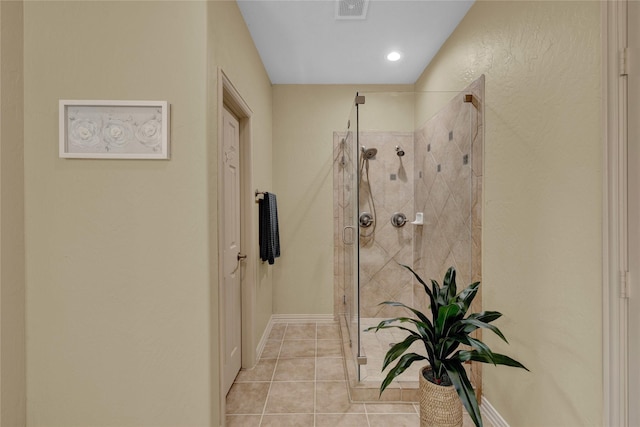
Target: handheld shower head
368,153
399,151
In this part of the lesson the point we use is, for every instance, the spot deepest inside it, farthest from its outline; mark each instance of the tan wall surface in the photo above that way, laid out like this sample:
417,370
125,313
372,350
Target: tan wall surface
305,117
12,274
123,254
231,48
542,249
117,256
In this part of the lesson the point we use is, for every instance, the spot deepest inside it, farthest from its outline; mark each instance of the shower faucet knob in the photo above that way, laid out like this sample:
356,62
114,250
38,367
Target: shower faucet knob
398,219
365,220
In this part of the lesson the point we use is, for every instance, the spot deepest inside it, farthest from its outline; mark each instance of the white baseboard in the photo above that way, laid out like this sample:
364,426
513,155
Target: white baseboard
290,318
263,340
490,414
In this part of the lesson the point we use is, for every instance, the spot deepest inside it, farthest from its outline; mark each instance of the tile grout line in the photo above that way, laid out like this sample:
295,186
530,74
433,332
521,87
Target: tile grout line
273,375
366,414
315,379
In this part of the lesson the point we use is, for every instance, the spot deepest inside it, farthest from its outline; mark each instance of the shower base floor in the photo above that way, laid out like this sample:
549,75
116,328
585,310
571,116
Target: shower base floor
376,344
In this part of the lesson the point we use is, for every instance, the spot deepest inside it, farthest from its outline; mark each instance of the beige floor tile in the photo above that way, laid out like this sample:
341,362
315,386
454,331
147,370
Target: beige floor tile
277,331
329,331
243,420
296,369
332,397
287,420
298,348
263,371
300,331
290,397
395,420
329,348
330,369
271,349
247,398
390,408
300,382
342,420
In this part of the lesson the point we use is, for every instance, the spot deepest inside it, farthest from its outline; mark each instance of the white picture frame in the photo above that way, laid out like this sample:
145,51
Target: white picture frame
99,129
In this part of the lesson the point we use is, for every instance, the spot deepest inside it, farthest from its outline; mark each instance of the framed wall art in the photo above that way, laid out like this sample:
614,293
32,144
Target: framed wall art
114,129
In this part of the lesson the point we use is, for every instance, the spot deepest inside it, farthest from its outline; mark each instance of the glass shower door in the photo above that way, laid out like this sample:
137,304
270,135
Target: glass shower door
349,213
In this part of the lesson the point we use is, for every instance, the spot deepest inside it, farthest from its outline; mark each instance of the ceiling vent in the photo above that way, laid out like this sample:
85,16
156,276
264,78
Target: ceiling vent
351,9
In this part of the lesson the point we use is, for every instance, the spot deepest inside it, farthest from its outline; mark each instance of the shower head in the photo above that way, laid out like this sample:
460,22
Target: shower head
368,153
399,151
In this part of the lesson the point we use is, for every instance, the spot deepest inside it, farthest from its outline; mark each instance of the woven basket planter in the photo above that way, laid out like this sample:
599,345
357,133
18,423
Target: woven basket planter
439,406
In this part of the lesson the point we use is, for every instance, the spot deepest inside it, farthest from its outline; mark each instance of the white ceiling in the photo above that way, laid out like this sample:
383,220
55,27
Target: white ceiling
302,42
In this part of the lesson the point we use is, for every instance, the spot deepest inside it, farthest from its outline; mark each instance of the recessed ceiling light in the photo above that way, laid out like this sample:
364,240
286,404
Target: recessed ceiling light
393,56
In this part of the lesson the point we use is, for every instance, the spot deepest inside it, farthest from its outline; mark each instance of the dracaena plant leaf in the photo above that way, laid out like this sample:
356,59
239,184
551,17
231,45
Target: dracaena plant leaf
423,329
430,293
398,349
418,314
497,358
480,324
463,386
449,284
446,316
467,295
485,316
404,362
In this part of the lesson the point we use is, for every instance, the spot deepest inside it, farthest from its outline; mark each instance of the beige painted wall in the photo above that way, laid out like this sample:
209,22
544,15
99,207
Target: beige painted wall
12,275
542,209
122,255
232,48
305,117
117,277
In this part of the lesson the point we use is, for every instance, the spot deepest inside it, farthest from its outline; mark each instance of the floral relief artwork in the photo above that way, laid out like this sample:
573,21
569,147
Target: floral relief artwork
114,129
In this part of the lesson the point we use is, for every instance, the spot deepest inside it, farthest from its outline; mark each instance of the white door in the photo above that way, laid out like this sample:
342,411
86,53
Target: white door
232,352
633,193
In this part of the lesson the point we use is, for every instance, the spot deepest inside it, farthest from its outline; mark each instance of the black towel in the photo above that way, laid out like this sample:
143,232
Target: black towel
269,232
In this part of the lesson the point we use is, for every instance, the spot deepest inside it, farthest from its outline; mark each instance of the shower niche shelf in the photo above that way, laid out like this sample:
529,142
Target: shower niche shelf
419,219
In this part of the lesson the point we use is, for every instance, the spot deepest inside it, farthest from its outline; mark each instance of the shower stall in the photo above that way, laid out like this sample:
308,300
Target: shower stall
407,190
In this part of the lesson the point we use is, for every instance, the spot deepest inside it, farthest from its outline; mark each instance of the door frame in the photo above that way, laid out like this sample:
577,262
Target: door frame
614,216
229,97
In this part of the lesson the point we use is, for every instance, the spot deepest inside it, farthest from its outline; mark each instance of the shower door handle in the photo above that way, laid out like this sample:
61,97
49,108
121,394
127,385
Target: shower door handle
344,235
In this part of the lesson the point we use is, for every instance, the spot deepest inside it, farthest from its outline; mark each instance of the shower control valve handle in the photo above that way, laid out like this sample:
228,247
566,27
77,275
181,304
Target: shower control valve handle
365,220
398,219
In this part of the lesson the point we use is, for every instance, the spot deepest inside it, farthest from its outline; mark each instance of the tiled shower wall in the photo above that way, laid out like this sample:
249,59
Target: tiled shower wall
448,190
381,251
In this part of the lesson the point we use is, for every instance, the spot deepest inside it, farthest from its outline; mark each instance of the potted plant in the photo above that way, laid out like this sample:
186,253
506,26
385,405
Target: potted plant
442,333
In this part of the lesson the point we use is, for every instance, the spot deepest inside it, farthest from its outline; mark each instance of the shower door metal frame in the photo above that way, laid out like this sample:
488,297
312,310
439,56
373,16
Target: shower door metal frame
361,359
